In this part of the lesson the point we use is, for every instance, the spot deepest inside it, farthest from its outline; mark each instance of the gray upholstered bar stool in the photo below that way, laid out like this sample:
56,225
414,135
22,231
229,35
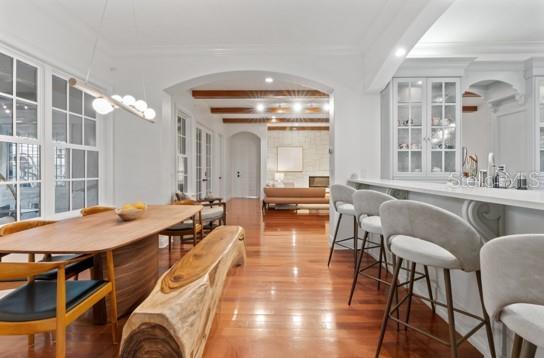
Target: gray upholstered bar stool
367,205
425,234
341,197
513,284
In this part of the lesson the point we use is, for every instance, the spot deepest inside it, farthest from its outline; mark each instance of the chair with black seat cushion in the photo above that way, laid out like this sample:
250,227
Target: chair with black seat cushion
425,234
71,270
42,306
191,227
513,286
342,201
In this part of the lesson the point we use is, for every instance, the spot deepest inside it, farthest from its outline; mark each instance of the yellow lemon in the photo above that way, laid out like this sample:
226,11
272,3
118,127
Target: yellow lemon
127,207
139,205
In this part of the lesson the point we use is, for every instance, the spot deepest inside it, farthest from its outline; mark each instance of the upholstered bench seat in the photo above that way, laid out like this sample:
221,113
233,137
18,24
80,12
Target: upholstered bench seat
295,196
212,214
37,300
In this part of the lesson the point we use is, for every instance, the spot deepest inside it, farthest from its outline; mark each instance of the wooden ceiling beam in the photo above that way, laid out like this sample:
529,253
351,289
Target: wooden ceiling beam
470,94
292,128
275,120
470,109
256,94
271,110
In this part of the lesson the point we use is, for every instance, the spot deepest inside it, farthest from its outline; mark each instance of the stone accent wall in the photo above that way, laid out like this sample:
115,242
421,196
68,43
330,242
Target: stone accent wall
315,154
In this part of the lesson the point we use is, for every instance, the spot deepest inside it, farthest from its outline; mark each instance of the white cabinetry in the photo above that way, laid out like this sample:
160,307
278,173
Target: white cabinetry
426,125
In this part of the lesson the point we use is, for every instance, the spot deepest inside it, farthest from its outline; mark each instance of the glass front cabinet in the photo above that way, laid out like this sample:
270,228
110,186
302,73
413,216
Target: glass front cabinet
426,116
540,124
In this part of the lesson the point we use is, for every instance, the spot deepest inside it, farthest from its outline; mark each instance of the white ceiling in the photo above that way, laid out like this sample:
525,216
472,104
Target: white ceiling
474,27
254,80
321,24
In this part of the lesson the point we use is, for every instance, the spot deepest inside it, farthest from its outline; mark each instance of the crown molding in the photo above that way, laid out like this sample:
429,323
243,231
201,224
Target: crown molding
482,51
222,50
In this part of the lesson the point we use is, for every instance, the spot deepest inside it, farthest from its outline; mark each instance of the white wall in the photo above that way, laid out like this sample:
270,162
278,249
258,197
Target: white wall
315,154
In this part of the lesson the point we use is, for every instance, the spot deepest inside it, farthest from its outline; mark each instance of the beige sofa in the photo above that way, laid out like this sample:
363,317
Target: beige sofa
294,196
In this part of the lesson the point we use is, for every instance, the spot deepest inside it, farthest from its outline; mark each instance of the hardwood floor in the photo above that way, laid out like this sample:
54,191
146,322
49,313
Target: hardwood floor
285,302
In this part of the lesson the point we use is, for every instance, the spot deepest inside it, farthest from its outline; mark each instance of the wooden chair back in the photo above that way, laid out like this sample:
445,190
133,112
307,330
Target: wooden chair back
95,210
12,228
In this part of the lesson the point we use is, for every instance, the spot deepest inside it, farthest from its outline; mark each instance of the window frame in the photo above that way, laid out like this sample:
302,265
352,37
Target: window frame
179,157
13,138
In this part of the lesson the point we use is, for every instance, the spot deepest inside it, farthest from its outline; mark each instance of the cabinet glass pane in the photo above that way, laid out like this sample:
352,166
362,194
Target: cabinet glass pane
416,117
436,162
59,93
7,162
6,74
436,92
437,138
30,200
415,162
416,91
542,138
449,138
415,139
27,81
403,115
76,129
8,203
78,194
6,116
60,133
403,138
403,91
29,162
436,115
542,160
92,192
27,120
62,196
451,92
449,161
403,162
449,115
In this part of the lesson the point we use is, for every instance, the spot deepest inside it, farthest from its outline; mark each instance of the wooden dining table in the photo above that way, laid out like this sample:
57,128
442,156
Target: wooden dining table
134,245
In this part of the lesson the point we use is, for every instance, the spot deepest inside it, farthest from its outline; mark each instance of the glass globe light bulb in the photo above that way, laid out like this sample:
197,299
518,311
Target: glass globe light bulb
149,113
140,105
102,106
129,100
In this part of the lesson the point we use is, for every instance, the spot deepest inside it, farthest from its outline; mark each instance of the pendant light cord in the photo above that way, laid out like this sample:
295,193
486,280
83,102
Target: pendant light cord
96,41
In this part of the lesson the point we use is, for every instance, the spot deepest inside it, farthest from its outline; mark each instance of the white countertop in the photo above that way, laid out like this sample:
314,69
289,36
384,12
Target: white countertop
532,199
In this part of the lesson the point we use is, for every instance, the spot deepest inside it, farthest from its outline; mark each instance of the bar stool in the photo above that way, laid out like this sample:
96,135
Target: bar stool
428,235
367,205
341,197
513,284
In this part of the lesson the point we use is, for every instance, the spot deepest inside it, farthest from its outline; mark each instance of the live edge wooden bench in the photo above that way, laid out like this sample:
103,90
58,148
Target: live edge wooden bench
176,318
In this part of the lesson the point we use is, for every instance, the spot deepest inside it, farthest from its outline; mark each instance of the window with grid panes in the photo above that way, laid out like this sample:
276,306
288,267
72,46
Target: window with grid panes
20,142
76,152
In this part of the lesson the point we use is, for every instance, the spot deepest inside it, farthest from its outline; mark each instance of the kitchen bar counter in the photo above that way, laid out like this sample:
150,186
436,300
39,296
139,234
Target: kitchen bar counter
531,199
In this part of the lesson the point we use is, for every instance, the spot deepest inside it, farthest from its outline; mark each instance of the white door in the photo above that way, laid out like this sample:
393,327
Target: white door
245,165
203,159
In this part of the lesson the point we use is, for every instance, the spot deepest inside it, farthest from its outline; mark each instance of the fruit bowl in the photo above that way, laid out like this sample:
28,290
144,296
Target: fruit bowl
129,212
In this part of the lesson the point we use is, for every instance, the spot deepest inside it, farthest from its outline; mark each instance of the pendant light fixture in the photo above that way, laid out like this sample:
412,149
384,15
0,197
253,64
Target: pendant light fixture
104,104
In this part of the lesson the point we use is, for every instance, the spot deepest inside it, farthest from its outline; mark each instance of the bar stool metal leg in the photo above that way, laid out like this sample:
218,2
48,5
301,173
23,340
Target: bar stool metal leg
410,293
392,292
487,322
334,238
358,268
451,315
355,238
528,350
429,288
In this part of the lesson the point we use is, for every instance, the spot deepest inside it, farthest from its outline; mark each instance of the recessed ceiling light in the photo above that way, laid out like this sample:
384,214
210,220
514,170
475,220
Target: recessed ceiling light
260,107
273,119
326,106
401,51
419,82
269,80
297,106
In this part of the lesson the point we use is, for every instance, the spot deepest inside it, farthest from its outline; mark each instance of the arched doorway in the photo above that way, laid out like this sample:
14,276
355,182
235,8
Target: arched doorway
245,165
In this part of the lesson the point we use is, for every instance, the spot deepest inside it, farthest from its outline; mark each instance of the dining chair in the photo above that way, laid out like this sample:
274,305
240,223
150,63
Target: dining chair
513,287
95,210
342,201
42,306
425,234
72,270
192,227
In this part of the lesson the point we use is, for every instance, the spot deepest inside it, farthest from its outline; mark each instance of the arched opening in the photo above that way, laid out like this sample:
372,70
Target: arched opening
245,165
494,120
230,110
